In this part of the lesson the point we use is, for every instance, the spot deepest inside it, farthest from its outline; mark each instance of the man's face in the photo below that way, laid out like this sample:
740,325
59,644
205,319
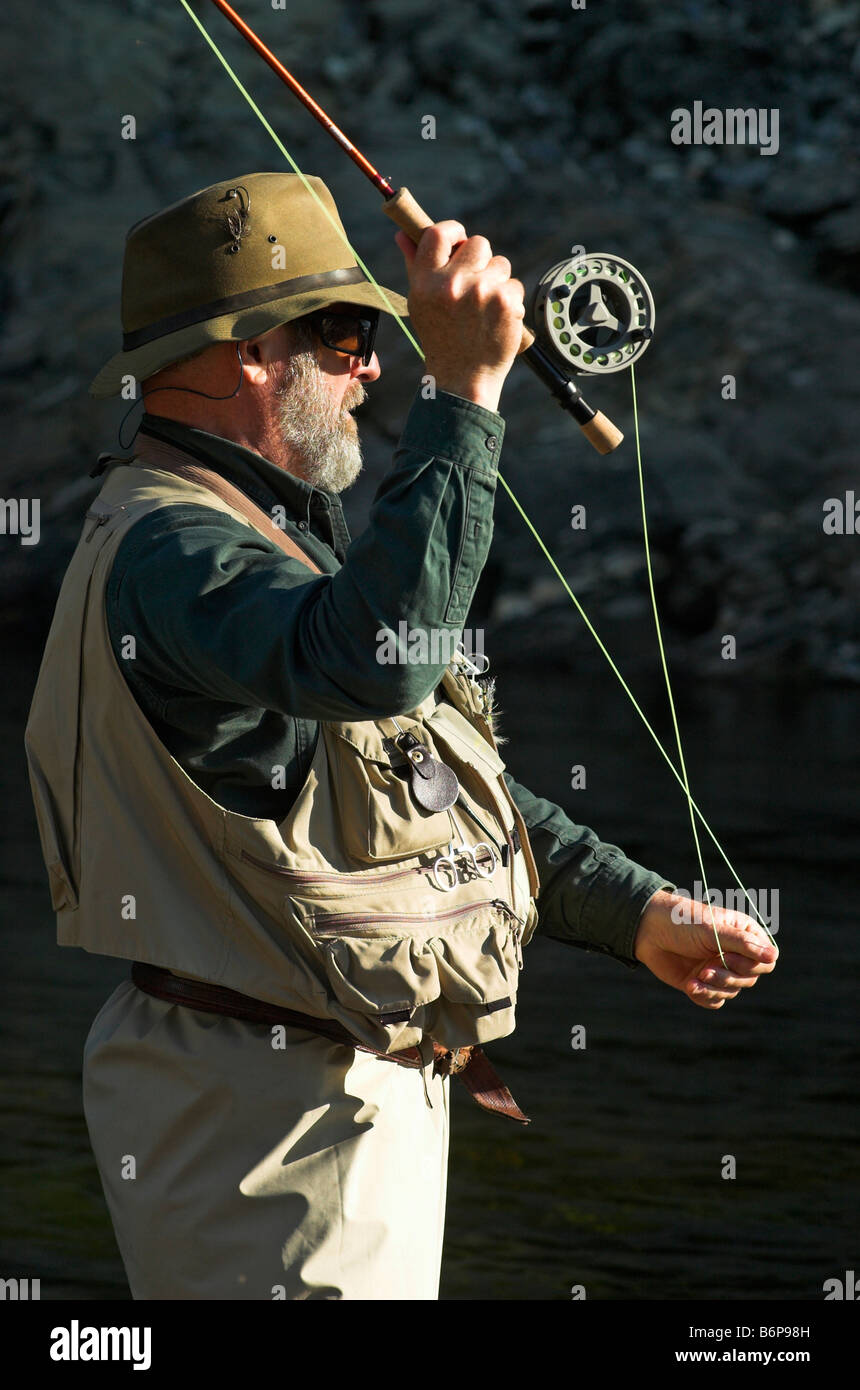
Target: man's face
317,391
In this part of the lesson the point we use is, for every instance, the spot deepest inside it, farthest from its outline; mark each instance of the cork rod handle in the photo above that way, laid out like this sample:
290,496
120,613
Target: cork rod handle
412,219
602,433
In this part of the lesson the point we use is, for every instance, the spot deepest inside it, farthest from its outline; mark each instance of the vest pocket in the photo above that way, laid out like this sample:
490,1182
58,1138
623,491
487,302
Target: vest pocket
379,818
399,977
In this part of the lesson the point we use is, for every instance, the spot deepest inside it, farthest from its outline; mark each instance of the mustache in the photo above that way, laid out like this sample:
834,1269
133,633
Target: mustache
304,371
354,396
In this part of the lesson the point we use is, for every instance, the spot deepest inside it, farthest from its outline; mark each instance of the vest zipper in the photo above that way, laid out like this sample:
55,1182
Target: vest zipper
482,720
349,923
312,876
507,834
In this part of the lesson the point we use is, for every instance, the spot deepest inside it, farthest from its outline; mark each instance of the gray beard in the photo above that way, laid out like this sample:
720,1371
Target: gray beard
322,437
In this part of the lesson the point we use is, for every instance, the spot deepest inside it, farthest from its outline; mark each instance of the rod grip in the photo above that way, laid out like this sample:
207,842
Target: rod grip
413,220
602,433
408,214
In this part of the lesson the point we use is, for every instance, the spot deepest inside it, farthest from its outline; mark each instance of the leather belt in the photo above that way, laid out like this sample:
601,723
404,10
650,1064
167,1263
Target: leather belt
470,1064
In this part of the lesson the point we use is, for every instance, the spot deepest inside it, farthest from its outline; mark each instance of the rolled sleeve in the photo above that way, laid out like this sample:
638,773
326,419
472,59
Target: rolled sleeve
591,895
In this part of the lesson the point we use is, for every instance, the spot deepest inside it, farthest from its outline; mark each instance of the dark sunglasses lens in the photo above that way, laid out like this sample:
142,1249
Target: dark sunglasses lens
352,335
343,334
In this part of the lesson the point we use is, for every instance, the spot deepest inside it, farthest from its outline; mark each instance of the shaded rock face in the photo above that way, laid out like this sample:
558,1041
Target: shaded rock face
551,128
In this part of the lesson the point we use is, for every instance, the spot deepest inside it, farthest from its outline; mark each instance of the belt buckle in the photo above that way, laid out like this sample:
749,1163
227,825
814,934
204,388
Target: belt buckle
450,1061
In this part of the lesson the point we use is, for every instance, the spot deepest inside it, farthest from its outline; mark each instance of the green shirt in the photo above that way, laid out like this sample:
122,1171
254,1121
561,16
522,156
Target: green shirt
238,654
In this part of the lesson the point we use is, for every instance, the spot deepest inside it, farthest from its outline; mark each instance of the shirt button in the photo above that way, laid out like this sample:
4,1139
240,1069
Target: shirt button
303,526
492,441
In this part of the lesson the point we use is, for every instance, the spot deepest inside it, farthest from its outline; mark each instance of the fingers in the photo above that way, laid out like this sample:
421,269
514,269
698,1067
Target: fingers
736,968
736,932
706,999
407,246
466,310
473,254
724,981
715,992
437,244
713,984
446,246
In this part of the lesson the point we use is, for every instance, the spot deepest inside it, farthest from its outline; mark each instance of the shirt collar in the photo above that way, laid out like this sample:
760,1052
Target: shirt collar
264,482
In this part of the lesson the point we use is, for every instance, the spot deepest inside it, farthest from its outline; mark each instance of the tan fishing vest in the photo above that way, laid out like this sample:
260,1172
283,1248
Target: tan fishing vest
341,909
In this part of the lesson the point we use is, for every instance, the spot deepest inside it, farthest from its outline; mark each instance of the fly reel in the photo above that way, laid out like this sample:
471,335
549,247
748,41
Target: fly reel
594,313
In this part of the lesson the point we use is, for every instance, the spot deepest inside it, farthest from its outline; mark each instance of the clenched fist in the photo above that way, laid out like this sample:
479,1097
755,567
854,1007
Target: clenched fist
466,309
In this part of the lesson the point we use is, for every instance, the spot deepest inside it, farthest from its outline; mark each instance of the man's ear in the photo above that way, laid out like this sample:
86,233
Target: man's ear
260,354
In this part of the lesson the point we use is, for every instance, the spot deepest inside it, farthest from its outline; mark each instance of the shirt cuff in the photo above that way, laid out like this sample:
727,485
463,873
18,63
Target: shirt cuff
455,429
617,896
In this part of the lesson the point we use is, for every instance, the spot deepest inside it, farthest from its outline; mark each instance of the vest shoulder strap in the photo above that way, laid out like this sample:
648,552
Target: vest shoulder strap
169,460
241,503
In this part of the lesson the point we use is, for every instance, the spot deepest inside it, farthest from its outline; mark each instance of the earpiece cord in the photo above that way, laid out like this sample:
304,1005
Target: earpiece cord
192,390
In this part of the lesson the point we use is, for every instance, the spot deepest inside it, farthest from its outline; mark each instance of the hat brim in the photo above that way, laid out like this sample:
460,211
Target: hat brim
145,361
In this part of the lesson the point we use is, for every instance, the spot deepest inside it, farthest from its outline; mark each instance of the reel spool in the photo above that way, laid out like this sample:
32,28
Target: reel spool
594,313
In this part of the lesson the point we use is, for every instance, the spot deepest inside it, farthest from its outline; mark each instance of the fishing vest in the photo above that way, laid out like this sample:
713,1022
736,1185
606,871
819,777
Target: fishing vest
349,908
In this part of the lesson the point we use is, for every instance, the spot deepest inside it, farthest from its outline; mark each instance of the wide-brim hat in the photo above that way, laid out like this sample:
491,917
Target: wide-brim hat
230,262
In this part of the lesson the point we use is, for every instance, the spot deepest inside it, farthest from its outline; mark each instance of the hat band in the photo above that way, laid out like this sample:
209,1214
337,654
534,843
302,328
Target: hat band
249,299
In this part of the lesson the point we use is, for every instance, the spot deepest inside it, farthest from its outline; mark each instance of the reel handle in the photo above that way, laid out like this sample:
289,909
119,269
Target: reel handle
600,432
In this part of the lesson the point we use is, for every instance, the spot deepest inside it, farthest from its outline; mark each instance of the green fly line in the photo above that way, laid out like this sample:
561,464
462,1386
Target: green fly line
681,777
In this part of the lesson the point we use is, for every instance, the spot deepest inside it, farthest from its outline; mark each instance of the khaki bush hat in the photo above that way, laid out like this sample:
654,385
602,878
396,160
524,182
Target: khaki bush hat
229,262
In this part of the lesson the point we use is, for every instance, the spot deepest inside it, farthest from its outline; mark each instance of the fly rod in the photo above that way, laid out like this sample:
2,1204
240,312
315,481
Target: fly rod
593,314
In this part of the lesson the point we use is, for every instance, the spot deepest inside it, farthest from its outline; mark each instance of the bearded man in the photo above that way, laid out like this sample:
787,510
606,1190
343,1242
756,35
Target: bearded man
315,860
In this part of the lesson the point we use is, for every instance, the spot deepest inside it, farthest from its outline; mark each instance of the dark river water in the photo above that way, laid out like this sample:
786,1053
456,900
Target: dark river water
617,1186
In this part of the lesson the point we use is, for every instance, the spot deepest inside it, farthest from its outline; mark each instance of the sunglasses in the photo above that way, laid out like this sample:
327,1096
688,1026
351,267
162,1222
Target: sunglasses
352,334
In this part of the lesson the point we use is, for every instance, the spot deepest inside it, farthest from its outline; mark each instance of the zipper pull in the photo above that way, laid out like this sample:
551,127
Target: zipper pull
518,943
516,931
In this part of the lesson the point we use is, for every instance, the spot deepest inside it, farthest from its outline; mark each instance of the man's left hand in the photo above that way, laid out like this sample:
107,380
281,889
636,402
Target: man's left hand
684,954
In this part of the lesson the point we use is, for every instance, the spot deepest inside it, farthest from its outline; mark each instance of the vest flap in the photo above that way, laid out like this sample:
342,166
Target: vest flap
368,737
451,727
